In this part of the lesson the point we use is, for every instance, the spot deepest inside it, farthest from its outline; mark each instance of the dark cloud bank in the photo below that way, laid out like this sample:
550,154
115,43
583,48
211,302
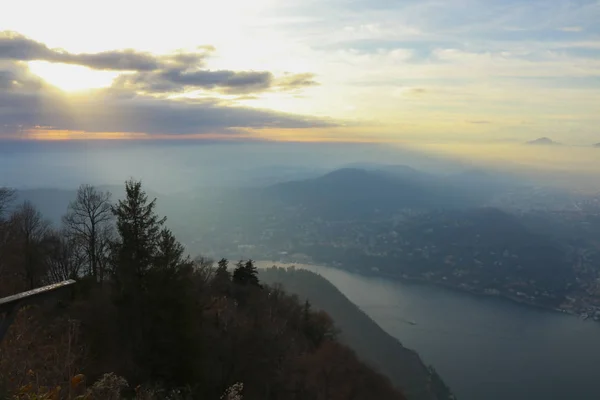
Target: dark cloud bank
137,102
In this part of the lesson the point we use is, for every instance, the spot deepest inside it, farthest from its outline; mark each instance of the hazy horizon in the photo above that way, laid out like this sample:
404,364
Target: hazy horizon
176,166
406,72
464,83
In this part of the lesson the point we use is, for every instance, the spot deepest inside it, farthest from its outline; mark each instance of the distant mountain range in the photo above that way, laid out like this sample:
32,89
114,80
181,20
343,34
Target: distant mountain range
372,191
383,190
351,192
403,170
544,141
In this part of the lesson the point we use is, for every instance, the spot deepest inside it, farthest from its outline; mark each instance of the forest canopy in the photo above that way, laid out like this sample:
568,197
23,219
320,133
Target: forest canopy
146,321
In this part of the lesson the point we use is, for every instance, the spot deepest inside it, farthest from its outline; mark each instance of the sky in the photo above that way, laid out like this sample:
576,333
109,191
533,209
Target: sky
381,71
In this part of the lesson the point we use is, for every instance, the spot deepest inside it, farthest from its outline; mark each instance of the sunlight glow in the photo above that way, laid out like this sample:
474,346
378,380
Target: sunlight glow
71,78
57,135
384,69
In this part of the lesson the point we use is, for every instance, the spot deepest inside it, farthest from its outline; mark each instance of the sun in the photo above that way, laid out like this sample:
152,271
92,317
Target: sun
71,78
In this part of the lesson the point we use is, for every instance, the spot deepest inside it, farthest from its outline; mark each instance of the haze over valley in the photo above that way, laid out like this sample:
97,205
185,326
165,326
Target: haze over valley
300,200
404,216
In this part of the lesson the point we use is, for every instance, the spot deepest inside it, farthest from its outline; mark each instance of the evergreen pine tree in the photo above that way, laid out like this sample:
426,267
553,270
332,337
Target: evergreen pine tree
246,273
239,274
139,228
222,272
306,313
222,279
169,255
251,273
154,289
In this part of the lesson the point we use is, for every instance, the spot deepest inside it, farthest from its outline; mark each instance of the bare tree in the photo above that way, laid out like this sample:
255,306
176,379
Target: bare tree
88,223
28,231
7,195
107,238
204,268
64,257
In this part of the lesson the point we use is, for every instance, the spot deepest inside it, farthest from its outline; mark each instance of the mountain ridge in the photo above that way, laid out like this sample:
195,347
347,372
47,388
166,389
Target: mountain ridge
353,192
543,141
384,190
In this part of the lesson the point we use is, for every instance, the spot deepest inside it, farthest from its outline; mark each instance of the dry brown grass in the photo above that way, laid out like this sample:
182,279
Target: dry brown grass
41,351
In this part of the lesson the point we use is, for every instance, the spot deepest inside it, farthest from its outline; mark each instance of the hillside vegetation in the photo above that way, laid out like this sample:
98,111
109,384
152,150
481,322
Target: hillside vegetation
146,322
402,366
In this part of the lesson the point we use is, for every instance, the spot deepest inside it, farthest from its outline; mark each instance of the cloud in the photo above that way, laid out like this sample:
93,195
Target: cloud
172,73
296,81
175,80
140,99
17,47
28,103
571,29
120,60
14,46
479,122
179,80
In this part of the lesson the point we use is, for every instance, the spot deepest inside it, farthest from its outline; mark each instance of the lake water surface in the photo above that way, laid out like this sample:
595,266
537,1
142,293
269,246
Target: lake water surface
484,348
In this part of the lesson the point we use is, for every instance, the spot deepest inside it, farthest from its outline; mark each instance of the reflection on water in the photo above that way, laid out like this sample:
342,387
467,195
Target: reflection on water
484,348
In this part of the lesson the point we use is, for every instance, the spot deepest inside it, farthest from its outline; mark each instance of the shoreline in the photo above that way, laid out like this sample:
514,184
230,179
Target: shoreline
478,293
423,281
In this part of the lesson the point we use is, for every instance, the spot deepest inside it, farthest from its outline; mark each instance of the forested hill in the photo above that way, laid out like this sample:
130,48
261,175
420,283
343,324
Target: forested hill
372,344
356,193
146,322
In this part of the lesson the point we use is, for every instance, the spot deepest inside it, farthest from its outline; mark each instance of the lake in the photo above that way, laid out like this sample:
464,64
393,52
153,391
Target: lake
484,348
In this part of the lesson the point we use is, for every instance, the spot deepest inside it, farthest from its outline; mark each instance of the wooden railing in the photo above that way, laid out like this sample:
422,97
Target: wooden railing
9,306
